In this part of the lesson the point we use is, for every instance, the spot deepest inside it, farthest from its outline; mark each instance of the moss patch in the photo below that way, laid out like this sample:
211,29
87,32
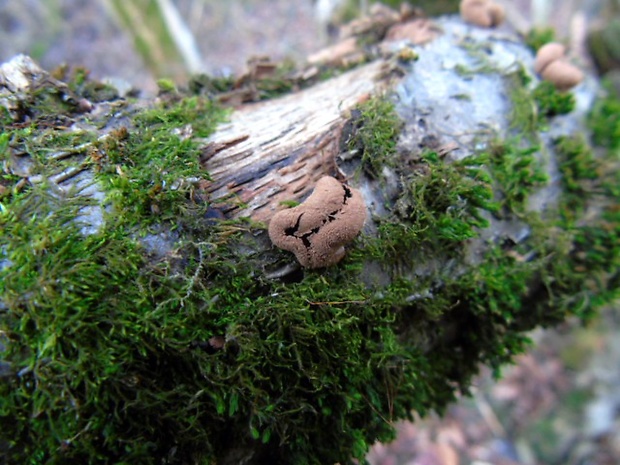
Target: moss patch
537,37
372,135
439,208
532,108
116,355
156,183
552,102
605,120
517,172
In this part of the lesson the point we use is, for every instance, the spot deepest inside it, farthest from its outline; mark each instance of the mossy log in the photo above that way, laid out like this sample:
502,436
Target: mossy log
145,316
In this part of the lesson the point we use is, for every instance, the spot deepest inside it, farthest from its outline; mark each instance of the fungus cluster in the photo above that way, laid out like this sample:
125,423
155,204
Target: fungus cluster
553,66
484,13
317,230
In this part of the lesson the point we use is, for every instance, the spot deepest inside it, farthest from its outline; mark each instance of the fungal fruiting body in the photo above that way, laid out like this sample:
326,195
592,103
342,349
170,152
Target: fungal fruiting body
552,65
484,13
546,54
317,230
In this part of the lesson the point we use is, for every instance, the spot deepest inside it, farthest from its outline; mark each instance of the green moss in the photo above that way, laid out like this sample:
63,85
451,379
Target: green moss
517,172
439,208
96,323
604,120
178,111
579,169
122,357
587,277
537,37
282,81
80,83
531,109
290,203
551,102
274,80
373,135
166,86
209,85
590,180
524,117
480,63
147,170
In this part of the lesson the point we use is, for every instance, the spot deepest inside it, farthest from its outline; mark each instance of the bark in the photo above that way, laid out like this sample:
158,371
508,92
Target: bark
276,150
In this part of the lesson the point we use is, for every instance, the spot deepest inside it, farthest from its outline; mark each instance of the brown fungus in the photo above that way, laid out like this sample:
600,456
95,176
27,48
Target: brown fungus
562,74
484,13
317,230
553,66
548,53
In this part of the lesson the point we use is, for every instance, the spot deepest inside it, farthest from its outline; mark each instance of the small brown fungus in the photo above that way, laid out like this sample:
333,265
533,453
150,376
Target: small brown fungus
548,53
552,65
317,230
484,13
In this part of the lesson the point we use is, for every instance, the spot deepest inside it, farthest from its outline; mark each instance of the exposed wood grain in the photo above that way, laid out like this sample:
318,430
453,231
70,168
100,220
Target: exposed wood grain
276,150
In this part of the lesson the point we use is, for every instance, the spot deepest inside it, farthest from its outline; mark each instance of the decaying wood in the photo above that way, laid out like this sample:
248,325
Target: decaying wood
276,150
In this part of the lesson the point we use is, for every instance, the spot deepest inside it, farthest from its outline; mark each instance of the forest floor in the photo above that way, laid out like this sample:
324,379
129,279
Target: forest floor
558,404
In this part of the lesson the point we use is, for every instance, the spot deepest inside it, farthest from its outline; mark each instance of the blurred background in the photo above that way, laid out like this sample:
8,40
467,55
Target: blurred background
142,40
560,403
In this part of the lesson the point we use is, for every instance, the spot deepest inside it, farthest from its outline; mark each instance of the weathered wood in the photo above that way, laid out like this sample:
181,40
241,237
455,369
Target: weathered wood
276,150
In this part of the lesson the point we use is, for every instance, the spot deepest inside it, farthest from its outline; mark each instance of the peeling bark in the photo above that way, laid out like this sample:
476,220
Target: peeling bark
276,150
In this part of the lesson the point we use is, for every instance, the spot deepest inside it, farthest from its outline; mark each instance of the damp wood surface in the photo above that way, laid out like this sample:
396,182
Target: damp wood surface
276,150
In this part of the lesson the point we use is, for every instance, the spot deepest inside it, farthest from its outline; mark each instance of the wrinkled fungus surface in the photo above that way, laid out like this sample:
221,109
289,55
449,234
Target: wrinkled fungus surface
317,230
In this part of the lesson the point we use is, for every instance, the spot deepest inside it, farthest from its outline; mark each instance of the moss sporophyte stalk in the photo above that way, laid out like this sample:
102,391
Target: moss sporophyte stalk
113,351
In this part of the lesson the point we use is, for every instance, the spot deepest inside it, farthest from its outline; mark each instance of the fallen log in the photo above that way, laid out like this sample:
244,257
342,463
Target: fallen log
146,316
